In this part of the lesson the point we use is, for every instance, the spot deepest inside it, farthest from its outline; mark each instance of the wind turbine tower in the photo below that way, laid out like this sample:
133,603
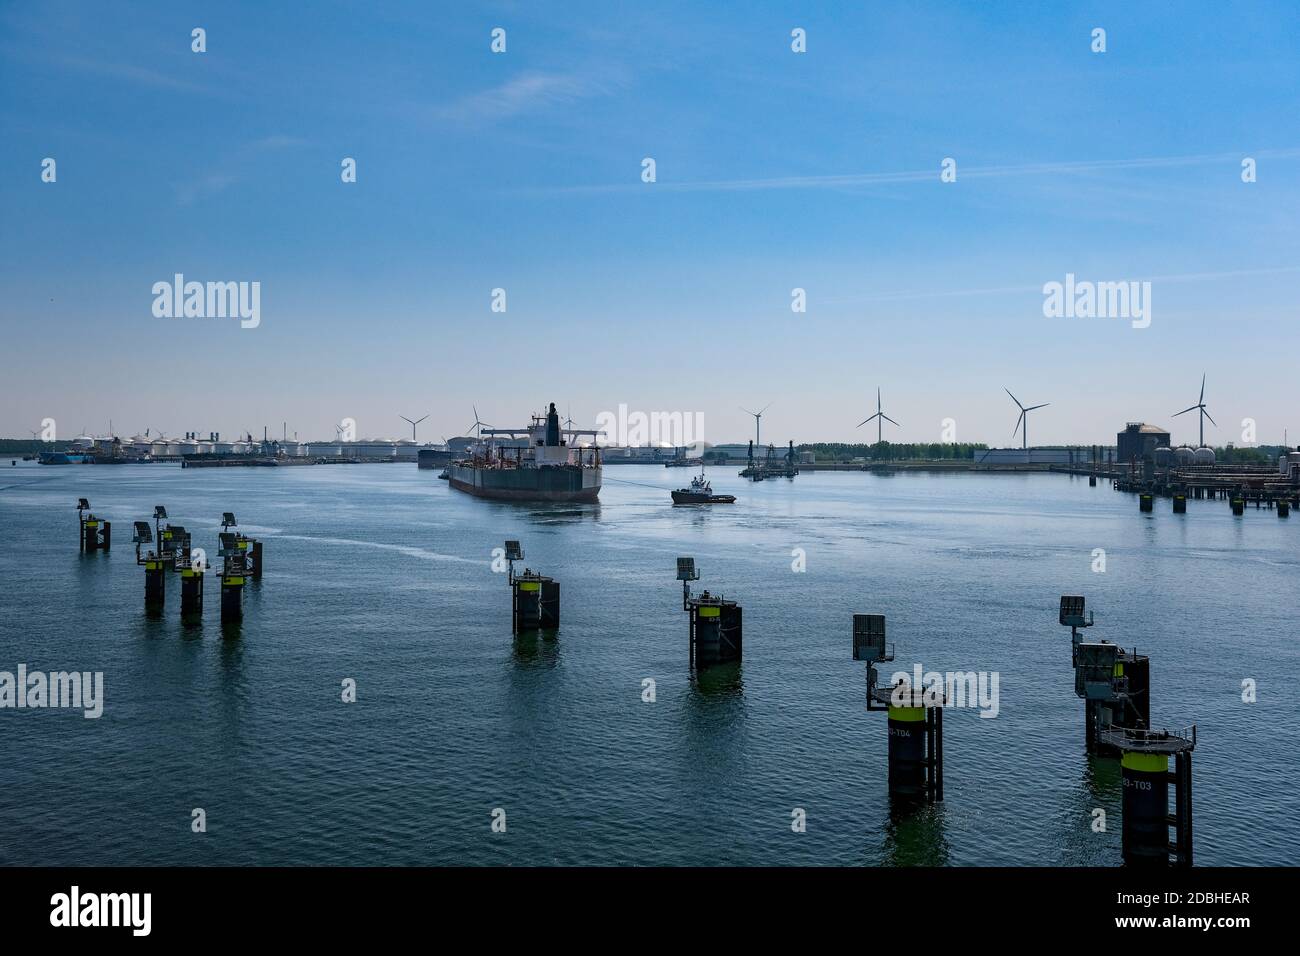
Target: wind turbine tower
880,419
758,422
1200,406
414,423
1023,419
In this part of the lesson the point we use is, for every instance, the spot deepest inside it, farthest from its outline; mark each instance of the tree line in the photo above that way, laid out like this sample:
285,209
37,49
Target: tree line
894,451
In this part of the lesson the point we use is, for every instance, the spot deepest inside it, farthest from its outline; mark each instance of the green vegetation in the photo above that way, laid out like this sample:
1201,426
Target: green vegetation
1259,455
889,451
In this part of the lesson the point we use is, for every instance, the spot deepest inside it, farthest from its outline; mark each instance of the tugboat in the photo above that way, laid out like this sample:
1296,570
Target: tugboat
700,493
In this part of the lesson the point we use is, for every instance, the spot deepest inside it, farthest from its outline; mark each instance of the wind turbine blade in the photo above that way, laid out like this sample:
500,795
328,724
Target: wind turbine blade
890,420
746,410
766,407
871,419
1032,407
1185,411
418,420
1212,421
1018,421
1013,398
1202,399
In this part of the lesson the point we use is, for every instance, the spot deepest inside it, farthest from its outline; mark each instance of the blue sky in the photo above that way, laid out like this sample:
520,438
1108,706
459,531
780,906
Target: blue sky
775,170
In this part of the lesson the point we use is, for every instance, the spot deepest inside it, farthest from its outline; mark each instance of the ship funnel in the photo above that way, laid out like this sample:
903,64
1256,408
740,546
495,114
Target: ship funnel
552,427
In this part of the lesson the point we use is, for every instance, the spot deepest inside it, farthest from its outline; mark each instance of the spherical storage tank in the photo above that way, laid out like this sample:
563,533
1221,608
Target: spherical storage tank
1164,456
1184,454
1204,455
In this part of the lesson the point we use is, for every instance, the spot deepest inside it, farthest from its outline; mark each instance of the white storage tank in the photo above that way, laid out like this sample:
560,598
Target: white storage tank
1204,455
1184,454
1164,456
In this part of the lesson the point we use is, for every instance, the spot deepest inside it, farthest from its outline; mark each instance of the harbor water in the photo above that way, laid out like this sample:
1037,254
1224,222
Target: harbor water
383,574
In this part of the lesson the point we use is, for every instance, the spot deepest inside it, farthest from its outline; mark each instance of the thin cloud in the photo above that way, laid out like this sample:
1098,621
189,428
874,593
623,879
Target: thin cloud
932,175
215,181
526,93
129,72
1005,290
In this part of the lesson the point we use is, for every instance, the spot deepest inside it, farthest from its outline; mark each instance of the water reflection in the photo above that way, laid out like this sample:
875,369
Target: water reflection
718,681
915,835
536,648
1099,787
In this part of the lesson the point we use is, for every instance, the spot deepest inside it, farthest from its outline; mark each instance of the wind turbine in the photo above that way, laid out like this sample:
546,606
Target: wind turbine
1204,414
568,423
478,424
880,418
758,421
413,424
1024,417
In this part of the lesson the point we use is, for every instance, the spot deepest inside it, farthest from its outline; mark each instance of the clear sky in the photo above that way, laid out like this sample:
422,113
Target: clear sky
775,170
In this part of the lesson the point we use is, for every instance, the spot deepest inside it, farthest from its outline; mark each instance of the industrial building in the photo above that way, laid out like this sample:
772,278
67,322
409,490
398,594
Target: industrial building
1139,440
1029,456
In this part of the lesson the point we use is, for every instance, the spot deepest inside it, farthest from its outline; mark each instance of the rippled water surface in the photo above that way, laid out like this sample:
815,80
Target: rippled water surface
381,573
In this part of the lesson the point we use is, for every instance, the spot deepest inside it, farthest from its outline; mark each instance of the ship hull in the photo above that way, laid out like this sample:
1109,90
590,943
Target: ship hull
546,483
433,458
694,498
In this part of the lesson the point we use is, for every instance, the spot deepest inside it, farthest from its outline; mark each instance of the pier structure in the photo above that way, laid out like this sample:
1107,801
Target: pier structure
251,546
192,564
182,562
95,534
165,538
771,466
915,718
1115,685
234,568
716,624
155,573
192,590
1144,770
241,559
534,598
1167,473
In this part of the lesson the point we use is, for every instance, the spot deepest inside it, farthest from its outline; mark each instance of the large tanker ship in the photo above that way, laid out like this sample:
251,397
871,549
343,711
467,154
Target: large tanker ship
547,468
